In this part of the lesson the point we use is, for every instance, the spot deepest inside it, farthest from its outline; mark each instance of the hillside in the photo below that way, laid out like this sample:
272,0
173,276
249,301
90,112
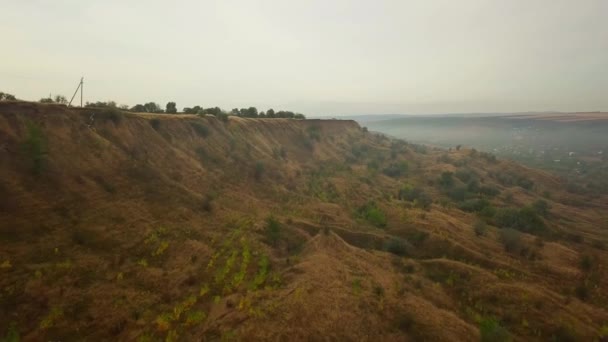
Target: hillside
122,226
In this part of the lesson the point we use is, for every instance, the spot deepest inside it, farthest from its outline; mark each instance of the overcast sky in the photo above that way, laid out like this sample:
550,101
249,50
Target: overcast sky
319,57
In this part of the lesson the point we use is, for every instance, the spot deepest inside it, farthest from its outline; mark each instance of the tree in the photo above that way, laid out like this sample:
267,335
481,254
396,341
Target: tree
270,113
138,108
252,112
171,108
7,97
99,104
60,99
152,107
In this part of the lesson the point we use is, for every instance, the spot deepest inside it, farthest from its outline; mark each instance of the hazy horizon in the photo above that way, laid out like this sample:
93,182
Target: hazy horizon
318,58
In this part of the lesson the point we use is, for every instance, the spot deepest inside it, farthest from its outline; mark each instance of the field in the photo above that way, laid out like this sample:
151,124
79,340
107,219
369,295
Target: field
124,226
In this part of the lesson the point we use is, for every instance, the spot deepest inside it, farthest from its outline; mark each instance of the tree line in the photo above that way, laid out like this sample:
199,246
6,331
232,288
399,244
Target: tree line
171,108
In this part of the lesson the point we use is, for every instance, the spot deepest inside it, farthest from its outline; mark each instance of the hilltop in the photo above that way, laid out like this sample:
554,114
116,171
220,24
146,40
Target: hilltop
131,226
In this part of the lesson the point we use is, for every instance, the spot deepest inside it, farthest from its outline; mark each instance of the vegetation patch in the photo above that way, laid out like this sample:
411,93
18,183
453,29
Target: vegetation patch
35,146
525,219
200,129
373,214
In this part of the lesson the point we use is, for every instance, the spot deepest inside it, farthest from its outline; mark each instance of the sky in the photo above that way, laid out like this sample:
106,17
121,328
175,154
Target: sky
318,57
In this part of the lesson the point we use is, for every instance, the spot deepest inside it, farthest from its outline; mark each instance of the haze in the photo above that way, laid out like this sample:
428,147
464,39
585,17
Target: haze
316,57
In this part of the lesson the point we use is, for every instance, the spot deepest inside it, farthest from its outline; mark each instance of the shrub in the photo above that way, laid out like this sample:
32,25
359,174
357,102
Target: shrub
397,246
373,215
12,333
155,123
416,237
458,193
109,114
491,331
525,183
409,193
565,334
396,170
586,263
207,204
541,207
314,133
473,186
489,190
511,239
258,172
222,116
474,205
524,219
488,212
446,180
35,147
373,165
480,228
464,175
272,230
200,129
488,156
582,292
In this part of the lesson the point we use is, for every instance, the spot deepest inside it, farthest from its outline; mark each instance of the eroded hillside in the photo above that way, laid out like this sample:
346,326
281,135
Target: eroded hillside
119,226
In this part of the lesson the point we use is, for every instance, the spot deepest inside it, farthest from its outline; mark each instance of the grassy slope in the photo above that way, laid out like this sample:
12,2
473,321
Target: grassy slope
153,227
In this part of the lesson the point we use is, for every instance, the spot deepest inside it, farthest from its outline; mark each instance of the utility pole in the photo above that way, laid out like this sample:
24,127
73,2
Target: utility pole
81,87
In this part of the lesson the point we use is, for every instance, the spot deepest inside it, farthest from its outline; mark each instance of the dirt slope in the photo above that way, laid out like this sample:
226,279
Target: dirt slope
121,226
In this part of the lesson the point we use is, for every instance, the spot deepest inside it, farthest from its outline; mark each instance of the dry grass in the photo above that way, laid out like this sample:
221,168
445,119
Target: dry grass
133,231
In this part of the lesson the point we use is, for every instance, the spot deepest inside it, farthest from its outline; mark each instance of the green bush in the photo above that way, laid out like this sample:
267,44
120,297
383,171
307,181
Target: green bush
200,129
397,246
109,114
489,190
586,263
416,237
491,331
458,193
474,205
446,180
480,228
464,175
373,215
524,219
35,146
541,207
258,171
12,333
416,195
511,239
396,170
272,230
314,133
155,123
